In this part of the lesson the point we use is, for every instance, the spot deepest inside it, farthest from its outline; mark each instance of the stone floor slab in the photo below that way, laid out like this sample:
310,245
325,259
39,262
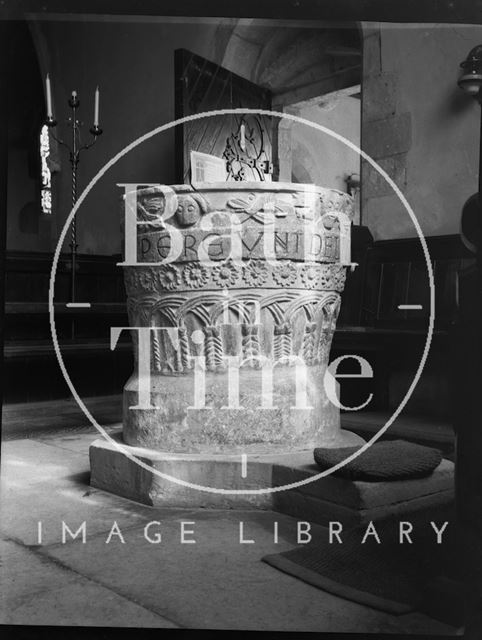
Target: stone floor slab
219,583
216,583
28,462
37,591
76,441
49,484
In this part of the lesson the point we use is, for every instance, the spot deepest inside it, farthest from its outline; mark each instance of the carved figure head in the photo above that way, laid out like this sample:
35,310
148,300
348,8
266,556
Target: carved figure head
190,208
150,209
154,205
331,222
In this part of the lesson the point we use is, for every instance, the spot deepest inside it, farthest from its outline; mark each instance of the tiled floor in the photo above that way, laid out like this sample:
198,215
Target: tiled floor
214,583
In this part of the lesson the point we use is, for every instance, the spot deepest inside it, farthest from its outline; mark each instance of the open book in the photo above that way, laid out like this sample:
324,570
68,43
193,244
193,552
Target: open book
207,168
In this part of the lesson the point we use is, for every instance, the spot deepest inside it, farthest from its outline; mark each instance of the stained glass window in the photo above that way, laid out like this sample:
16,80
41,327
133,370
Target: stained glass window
46,177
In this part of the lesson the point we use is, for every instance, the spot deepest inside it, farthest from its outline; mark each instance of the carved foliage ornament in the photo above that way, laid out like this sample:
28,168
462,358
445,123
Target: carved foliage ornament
251,274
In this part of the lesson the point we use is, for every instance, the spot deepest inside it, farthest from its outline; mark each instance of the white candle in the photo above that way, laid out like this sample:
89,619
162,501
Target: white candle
49,97
96,107
242,142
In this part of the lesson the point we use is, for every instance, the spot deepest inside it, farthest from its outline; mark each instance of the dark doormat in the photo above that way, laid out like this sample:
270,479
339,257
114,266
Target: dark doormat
389,576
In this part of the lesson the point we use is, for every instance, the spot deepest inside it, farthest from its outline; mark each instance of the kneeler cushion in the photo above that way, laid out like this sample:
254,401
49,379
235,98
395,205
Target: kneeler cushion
382,462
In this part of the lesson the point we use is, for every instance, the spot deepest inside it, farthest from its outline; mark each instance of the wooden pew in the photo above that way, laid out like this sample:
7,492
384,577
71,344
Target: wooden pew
394,272
32,372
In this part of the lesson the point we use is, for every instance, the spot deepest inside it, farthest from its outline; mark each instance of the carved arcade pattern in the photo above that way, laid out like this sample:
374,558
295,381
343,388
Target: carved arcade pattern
214,348
309,343
282,343
251,346
315,329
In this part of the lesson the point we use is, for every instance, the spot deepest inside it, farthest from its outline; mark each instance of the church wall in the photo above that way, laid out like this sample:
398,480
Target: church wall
416,123
326,160
27,228
419,126
132,62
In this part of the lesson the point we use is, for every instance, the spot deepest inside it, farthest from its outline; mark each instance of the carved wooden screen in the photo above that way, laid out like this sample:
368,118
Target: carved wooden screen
202,85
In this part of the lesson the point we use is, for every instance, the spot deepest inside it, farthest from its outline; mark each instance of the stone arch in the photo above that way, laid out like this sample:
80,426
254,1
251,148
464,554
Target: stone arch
199,306
167,308
308,302
295,62
329,308
239,304
274,304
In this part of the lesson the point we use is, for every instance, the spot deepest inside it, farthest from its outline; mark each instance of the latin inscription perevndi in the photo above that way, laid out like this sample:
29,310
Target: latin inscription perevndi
299,245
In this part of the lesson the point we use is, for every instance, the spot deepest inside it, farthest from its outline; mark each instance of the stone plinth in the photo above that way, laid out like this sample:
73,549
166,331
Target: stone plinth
321,501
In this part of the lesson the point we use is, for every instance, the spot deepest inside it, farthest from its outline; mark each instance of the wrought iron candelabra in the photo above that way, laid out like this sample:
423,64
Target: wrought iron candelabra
75,148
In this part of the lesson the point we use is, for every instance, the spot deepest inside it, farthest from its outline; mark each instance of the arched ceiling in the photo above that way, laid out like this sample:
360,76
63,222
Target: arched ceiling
295,63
